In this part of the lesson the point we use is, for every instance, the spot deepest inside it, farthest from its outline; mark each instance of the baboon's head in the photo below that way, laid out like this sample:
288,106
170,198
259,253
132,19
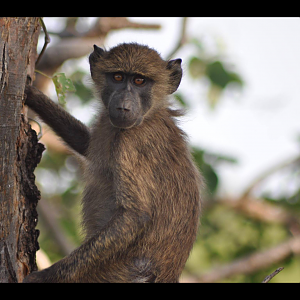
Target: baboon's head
133,80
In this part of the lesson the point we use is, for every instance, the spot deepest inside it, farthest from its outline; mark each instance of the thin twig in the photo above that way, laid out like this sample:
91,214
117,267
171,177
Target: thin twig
269,277
42,73
47,40
182,38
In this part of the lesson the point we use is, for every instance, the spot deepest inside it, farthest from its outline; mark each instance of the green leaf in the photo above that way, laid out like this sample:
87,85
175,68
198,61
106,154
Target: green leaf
196,67
220,76
210,175
234,77
83,91
62,85
217,74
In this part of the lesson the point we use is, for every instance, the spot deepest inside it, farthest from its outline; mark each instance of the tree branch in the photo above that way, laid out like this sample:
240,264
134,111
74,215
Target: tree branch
254,262
182,38
265,212
79,45
105,24
269,277
269,172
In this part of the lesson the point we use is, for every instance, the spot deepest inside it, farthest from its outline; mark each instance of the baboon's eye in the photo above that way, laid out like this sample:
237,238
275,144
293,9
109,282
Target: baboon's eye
139,80
118,77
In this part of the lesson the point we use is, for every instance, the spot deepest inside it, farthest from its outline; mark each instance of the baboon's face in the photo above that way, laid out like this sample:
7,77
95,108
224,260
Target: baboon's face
127,97
133,79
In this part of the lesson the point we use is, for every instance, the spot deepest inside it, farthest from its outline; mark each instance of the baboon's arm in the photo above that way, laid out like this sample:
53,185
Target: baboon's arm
71,130
119,233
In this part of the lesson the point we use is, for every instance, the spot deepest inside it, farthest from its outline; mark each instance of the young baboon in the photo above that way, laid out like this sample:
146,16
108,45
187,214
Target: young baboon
141,202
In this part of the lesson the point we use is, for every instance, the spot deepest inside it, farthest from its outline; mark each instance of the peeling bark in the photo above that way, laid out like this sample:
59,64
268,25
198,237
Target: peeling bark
20,151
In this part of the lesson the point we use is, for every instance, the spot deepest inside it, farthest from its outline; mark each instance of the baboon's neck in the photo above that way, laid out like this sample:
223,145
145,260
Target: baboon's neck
158,131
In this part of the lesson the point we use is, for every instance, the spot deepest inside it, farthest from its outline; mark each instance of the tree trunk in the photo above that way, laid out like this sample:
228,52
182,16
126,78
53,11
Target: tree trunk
20,151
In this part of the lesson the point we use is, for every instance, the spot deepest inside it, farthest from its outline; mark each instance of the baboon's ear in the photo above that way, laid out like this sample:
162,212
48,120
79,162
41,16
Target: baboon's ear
175,74
94,56
98,52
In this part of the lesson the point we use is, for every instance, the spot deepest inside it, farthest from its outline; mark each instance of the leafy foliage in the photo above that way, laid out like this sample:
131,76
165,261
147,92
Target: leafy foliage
207,163
215,70
62,85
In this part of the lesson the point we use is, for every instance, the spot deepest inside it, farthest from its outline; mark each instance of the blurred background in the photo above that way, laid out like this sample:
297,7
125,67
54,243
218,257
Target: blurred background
241,91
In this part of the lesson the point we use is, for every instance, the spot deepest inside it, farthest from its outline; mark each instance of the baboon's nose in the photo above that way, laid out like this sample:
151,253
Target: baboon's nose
125,109
124,106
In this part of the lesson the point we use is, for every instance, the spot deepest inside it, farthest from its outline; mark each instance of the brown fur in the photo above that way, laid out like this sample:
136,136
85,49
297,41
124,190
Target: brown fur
141,203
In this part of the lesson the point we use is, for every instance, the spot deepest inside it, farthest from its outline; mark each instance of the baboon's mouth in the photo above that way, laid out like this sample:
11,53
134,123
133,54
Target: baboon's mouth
125,123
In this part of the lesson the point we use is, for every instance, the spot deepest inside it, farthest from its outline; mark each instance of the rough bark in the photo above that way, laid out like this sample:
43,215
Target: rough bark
20,151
